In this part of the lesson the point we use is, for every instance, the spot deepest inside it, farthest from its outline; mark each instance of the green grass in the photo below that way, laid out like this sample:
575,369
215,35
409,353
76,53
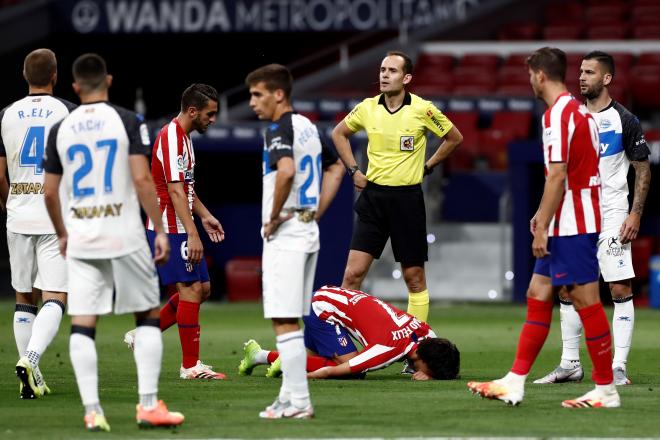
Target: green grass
386,404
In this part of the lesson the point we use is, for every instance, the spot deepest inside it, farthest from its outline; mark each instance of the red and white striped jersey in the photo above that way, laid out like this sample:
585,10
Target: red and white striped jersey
173,160
387,333
570,135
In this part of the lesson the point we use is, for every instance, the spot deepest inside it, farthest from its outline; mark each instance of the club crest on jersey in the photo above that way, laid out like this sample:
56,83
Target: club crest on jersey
605,123
342,341
144,134
407,143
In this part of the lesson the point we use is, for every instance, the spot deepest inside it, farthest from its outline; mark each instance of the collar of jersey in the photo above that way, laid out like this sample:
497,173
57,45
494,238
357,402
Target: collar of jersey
94,102
407,100
39,94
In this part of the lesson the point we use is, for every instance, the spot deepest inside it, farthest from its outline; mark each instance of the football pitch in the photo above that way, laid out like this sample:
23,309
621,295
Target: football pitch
385,404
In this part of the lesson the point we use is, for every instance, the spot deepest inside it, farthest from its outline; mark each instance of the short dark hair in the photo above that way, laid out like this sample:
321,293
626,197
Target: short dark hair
39,67
274,76
603,58
441,356
198,96
407,61
89,72
549,60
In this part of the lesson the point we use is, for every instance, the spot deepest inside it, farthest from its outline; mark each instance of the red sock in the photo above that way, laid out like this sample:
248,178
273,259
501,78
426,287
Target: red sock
317,362
599,342
187,316
533,335
313,362
168,312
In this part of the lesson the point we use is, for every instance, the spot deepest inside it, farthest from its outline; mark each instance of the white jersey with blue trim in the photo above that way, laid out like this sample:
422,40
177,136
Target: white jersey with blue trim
24,128
90,149
621,141
294,136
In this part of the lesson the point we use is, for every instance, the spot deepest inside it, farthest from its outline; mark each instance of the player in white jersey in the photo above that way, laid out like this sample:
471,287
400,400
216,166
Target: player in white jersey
99,154
36,264
292,163
622,143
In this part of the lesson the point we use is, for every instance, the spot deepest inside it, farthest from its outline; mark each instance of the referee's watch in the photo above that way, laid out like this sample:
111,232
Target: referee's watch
352,170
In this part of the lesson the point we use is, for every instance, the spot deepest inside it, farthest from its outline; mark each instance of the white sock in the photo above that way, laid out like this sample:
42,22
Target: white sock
23,321
623,321
517,380
44,329
148,354
82,351
291,347
571,332
261,357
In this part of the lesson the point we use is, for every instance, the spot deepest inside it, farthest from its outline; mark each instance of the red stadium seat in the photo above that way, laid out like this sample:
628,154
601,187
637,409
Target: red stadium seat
471,81
637,3
493,146
518,90
642,249
602,31
646,31
610,14
311,115
435,61
652,135
516,60
622,60
646,59
645,14
645,86
480,60
619,92
466,123
607,3
463,158
558,12
520,31
433,83
513,75
516,123
243,276
567,31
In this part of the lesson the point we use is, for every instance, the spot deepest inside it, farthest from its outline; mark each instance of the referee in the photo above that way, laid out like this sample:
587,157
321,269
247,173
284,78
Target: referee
391,203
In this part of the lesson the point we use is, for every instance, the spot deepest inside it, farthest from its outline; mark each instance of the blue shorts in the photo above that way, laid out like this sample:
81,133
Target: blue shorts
178,269
572,260
325,339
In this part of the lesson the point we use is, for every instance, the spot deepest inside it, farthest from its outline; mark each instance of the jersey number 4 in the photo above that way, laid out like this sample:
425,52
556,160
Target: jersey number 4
32,150
87,164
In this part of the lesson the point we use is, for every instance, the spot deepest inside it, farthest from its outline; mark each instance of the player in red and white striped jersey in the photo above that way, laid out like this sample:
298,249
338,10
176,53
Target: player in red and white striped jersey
569,129
173,170
387,334
569,213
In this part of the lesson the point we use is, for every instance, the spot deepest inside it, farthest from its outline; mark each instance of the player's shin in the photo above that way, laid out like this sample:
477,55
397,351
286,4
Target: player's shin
148,355
24,316
82,351
599,342
533,335
623,322
571,333
44,329
418,304
291,347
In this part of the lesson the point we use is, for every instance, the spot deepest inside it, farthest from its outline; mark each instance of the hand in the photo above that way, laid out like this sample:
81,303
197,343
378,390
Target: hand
540,244
213,228
532,225
63,241
161,248
420,375
629,228
427,170
271,227
195,249
359,180
321,373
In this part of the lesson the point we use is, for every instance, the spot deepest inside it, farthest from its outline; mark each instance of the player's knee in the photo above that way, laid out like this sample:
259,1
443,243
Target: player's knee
620,290
206,291
415,279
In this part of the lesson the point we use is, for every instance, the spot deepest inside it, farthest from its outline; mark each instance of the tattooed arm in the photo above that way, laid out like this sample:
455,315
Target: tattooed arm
630,226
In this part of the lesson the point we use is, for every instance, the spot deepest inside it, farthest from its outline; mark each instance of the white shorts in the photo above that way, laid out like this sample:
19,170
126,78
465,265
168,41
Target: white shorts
133,277
288,280
614,259
36,262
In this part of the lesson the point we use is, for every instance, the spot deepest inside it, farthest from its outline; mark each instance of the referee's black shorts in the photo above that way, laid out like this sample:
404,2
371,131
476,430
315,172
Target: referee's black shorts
395,212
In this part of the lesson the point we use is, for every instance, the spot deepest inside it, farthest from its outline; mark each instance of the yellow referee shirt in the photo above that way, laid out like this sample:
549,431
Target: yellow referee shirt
397,140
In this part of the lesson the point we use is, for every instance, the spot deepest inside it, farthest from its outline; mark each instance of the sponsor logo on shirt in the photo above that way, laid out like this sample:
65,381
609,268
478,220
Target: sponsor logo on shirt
605,123
99,211
144,135
20,188
615,249
407,143
435,120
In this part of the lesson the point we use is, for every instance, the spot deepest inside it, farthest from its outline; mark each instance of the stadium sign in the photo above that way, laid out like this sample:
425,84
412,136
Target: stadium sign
190,16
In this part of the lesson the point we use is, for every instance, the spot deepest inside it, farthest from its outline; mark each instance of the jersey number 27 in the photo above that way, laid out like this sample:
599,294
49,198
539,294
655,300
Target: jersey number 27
87,163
